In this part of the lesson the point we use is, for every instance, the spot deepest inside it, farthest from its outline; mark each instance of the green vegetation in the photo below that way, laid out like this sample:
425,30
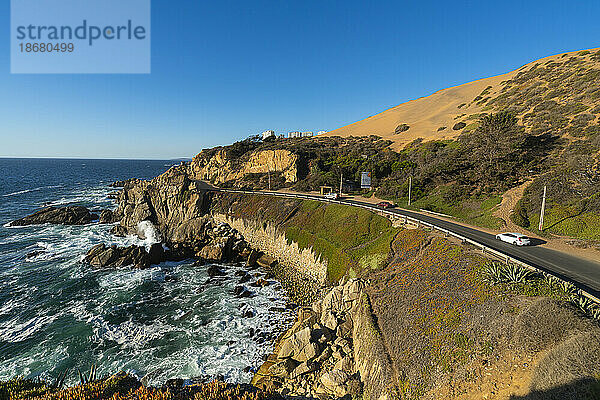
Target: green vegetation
434,285
350,239
475,211
401,128
516,279
542,125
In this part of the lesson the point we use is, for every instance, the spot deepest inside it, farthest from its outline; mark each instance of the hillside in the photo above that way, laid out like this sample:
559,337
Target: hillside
567,79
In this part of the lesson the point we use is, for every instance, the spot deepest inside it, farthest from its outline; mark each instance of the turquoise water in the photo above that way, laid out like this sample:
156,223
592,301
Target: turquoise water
56,312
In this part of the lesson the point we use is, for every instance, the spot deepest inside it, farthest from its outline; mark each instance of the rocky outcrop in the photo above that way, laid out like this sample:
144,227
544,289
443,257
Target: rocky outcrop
219,168
315,357
70,215
101,256
123,183
170,202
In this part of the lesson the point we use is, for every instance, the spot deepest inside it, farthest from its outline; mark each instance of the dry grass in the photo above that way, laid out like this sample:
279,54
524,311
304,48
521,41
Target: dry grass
125,387
441,323
545,323
432,284
570,370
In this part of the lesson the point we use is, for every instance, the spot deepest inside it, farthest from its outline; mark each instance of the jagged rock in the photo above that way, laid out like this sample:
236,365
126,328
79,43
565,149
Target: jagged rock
220,167
124,182
252,257
118,230
320,334
334,382
283,368
293,345
329,320
352,289
317,306
215,270
70,215
211,252
101,256
344,330
107,217
33,254
242,292
266,261
299,346
156,253
307,316
345,364
245,278
260,283
170,201
304,368
308,352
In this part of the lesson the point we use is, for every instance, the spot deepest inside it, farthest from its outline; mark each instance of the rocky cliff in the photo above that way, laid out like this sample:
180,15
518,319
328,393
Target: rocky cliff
220,167
172,206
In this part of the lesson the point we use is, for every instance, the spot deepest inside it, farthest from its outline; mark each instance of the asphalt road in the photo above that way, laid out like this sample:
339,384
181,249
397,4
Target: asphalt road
585,273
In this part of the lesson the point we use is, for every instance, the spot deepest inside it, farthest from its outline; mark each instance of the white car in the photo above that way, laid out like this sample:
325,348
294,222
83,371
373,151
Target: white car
333,196
514,238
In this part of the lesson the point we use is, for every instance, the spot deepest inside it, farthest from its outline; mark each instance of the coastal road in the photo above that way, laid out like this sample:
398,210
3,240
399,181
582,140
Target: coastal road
584,273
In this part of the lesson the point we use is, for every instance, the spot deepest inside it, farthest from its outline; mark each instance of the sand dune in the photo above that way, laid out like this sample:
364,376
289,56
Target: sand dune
426,115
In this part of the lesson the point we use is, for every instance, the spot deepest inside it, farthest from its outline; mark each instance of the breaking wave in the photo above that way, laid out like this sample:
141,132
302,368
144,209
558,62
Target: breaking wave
170,320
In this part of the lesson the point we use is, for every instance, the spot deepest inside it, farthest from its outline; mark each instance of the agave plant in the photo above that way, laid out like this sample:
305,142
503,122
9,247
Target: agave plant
594,312
493,272
91,376
583,303
515,273
568,288
60,379
552,281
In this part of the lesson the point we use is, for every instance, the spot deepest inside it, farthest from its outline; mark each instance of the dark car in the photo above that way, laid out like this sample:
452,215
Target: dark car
385,204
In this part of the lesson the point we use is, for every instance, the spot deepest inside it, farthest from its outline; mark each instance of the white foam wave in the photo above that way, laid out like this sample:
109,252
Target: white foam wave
31,190
148,232
12,331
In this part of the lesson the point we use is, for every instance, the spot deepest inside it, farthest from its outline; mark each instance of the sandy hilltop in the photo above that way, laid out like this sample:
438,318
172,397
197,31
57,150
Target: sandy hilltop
426,116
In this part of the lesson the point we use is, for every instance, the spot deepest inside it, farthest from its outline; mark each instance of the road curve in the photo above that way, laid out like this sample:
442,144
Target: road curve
584,273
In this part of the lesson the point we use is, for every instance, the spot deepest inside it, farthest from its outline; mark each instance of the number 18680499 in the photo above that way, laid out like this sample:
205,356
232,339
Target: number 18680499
47,47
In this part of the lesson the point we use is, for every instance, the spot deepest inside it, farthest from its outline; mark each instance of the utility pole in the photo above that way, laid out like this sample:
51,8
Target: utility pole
269,174
541,226
409,188
341,176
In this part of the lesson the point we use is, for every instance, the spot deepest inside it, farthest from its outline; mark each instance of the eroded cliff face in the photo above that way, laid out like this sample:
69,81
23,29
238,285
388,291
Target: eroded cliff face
170,202
219,167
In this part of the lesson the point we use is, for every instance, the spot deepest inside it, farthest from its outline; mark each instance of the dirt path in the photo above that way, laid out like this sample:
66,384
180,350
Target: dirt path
506,207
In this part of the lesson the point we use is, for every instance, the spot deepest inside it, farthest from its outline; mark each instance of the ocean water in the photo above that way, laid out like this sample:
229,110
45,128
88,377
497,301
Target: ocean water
56,312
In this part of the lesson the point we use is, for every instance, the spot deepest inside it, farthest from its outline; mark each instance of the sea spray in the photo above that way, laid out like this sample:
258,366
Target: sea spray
167,320
148,232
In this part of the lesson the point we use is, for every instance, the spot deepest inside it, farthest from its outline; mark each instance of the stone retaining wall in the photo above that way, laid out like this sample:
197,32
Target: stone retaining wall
270,240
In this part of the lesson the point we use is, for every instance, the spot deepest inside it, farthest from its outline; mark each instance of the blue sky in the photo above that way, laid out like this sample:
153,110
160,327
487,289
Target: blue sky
222,70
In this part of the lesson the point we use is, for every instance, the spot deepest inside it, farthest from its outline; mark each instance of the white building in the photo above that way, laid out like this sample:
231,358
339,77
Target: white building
268,134
307,134
294,134
321,132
